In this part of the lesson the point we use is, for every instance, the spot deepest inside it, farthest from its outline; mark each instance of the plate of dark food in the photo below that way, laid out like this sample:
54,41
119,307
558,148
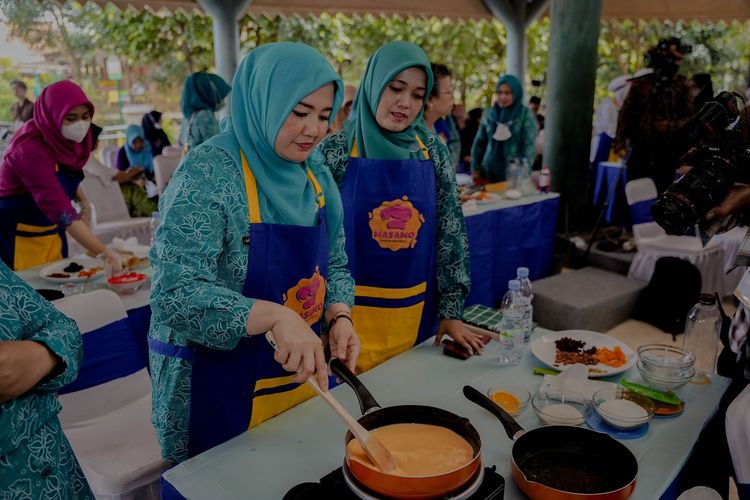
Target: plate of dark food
602,354
75,270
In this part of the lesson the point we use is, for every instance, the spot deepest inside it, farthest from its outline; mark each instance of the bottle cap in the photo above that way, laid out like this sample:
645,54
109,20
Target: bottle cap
707,298
523,272
514,285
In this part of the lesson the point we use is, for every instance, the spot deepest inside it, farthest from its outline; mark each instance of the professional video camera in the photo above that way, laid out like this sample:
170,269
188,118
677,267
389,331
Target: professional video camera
721,161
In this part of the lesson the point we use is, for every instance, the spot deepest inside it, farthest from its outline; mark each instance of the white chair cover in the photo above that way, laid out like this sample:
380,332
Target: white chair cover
164,168
110,218
106,199
109,155
171,151
109,425
653,243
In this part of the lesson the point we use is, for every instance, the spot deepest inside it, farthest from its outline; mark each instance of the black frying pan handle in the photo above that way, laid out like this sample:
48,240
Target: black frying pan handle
509,423
367,403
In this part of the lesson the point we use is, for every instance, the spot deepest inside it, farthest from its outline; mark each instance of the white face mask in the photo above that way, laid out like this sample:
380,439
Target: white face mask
77,131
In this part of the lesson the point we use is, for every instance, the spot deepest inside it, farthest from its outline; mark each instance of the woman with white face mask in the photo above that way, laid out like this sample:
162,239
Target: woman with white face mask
39,175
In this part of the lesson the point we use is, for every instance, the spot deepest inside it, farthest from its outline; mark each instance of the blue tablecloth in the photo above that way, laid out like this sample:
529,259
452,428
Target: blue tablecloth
608,176
504,238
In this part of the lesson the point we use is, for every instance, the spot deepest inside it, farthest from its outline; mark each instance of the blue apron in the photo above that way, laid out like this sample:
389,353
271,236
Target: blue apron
27,237
233,390
390,219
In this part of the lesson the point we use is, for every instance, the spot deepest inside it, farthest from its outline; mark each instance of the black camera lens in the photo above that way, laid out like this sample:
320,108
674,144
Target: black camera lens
690,198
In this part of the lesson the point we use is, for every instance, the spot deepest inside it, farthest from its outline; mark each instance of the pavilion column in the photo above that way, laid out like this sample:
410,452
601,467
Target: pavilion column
516,15
571,77
225,15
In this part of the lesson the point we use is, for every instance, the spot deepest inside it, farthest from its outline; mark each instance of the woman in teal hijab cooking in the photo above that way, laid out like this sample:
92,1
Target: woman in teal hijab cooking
202,95
405,236
508,130
251,240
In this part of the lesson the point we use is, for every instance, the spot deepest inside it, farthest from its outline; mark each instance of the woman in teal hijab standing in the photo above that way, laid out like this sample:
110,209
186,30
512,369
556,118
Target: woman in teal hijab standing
508,130
405,234
202,95
251,240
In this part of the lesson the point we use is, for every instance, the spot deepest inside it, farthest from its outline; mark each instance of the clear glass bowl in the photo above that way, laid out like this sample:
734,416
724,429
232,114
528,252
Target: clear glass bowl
557,407
522,395
661,382
618,417
665,360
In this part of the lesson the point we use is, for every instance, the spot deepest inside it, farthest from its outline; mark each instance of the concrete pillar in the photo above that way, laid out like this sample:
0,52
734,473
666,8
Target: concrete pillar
571,77
516,15
225,15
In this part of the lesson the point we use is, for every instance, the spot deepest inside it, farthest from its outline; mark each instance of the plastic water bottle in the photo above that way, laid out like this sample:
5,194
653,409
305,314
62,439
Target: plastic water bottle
702,330
545,179
525,178
155,221
513,174
511,325
527,295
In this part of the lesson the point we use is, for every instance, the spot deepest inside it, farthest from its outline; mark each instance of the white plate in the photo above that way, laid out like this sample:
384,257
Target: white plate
544,349
57,267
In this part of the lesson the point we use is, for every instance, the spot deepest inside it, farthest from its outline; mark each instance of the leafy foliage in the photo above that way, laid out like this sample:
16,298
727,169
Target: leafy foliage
159,49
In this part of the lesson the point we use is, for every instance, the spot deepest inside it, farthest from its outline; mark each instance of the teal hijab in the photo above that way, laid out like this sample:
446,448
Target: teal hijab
202,90
504,115
270,81
143,158
373,141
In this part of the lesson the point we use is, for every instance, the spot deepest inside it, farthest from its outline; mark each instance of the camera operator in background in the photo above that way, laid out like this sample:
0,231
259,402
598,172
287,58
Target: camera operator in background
657,105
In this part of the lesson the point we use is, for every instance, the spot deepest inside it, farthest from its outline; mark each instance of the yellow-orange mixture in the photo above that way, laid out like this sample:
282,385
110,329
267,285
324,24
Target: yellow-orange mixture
419,449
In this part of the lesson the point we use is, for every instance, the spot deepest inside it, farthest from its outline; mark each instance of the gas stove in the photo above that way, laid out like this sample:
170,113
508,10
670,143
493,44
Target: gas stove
339,485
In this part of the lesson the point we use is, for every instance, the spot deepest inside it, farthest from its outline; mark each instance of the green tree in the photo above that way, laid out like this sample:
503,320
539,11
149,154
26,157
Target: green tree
53,27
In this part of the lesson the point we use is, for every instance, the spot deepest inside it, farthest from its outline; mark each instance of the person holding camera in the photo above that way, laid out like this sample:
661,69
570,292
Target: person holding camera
658,104
721,449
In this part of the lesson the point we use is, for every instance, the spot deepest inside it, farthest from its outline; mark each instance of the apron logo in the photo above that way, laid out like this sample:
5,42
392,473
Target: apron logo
395,224
307,297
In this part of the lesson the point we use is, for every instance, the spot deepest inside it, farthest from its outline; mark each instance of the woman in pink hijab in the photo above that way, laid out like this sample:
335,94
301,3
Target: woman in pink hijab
39,176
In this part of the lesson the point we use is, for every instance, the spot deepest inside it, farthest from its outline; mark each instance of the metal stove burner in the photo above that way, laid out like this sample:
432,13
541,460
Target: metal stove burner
365,494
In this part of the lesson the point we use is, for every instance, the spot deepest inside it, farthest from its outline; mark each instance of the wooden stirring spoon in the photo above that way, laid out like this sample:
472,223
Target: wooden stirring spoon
373,448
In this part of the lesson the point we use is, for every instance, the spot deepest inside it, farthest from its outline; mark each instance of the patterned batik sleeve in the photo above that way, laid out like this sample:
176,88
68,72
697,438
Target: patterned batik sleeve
41,322
336,156
194,217
340,287
453,279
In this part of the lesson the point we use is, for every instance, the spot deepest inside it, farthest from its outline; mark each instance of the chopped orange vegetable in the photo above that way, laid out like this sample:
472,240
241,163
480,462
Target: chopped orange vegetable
611,357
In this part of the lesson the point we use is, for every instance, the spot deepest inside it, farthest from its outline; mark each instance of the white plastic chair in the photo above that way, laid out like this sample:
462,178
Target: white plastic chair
653,243
109,425
110,218
164,168
109,156
171,151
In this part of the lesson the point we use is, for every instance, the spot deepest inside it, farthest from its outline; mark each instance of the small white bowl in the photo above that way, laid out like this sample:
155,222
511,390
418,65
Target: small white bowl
616,418
556,407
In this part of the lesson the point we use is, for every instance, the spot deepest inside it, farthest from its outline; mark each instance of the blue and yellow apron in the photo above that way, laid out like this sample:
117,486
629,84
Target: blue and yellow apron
27,237
390,219
233,390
